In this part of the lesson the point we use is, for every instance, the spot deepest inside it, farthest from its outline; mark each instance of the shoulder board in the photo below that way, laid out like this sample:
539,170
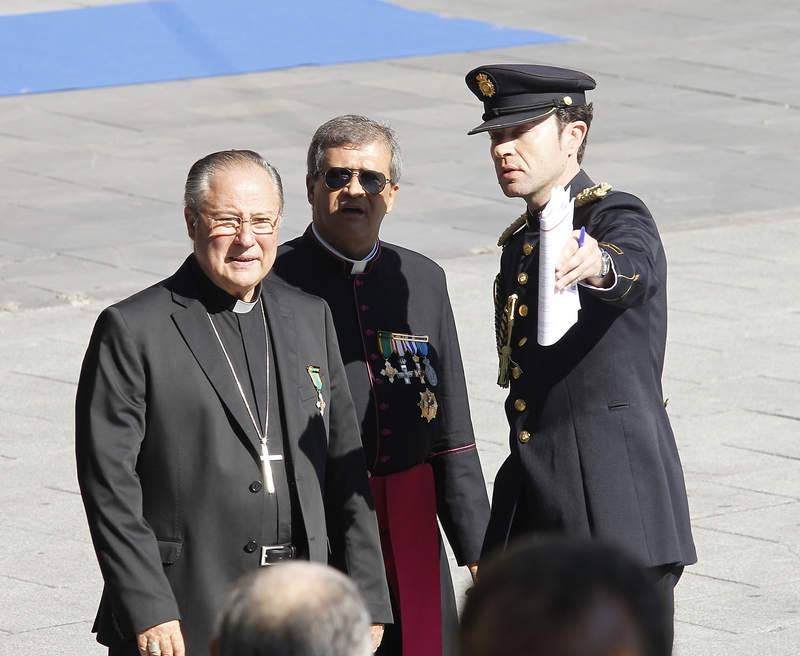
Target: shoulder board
592,194
510,230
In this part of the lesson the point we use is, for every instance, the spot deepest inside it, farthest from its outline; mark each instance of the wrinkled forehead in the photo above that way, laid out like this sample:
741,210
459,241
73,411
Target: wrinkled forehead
242,185
227,175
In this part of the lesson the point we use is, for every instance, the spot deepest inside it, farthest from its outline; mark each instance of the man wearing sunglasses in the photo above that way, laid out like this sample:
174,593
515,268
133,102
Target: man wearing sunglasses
400,348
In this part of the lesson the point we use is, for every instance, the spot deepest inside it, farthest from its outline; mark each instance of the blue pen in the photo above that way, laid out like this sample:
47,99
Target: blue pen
581,236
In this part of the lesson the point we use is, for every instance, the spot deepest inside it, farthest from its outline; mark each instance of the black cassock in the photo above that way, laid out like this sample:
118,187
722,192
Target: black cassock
592,450
418,434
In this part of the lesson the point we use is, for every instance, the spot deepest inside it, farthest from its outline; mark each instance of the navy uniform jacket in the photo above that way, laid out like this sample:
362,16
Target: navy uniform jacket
592,450
404,292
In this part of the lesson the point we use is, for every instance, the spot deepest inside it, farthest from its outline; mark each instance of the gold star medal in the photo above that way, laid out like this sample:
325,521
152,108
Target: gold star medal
428,406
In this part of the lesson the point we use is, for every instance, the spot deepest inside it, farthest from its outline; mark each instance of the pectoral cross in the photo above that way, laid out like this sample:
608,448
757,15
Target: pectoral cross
266,470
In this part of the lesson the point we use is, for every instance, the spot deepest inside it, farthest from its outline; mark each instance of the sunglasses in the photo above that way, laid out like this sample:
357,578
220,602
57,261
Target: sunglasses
338,177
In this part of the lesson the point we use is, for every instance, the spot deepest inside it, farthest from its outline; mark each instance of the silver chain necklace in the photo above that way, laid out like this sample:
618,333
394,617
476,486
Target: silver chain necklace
266,470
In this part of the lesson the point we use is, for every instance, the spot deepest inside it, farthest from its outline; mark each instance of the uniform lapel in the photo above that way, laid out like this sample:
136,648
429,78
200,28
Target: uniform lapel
193,324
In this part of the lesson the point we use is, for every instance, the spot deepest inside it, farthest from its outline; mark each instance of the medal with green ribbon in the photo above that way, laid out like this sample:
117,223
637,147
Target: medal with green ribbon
316,380
385,345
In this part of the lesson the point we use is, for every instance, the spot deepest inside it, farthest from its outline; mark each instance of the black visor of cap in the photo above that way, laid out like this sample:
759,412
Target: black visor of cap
511,120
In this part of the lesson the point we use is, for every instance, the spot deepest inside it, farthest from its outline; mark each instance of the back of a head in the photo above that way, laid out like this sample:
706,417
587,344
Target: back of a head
293,609
557,597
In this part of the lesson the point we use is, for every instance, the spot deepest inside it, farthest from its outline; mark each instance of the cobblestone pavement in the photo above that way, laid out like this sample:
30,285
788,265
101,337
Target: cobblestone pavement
697,112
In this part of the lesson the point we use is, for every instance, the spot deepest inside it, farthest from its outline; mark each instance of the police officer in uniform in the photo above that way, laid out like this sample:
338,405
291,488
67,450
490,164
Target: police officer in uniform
592,452
400,349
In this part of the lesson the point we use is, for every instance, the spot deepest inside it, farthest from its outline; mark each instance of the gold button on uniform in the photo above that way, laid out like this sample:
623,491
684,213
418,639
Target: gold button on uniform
524,437
522,278
523,310
522,341
527,249
516,372
520,405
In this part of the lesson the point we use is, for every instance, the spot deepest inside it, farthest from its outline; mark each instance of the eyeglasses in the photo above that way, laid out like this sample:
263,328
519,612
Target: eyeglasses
338,177
228,226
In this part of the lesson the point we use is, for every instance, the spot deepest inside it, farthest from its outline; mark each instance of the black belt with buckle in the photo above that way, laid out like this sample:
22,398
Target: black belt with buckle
272,555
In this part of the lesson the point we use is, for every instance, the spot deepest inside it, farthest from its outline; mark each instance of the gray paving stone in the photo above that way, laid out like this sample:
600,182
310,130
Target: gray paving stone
779,522
69,638
712,499
36,606
779,642
750,611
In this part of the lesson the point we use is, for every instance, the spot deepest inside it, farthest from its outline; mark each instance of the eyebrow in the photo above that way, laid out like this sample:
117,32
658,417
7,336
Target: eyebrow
228,212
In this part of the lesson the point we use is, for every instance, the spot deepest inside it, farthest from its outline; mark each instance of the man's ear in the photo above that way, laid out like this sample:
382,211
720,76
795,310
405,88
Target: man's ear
310,189
391,196
191,220
575,133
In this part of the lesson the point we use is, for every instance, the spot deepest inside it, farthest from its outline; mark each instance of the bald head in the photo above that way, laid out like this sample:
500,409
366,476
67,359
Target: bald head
294,608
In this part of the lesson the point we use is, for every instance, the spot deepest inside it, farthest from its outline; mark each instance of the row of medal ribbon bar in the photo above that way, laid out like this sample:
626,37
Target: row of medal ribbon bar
406,347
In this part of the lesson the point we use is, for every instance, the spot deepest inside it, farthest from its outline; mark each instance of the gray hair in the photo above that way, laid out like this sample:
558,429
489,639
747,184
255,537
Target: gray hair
294,608
197,182
353,130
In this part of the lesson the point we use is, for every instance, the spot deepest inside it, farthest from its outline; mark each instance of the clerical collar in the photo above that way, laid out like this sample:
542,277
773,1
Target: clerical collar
216,299
356,266
243,307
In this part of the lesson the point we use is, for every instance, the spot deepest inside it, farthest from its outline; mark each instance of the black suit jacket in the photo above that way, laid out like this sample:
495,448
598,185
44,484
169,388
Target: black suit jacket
166,453
592,450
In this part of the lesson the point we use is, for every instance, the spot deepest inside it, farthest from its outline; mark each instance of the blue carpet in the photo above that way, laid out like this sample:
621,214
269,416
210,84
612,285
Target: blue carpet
182,39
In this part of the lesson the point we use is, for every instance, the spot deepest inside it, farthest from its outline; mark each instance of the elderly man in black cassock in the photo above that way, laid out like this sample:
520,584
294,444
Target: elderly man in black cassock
400,348
215,431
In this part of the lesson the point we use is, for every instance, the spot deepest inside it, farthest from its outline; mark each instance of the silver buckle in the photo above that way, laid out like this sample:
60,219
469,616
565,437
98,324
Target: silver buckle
264,552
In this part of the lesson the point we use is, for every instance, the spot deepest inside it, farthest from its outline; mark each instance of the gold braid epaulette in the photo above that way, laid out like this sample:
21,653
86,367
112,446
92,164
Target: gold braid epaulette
510,230
585,197
592,194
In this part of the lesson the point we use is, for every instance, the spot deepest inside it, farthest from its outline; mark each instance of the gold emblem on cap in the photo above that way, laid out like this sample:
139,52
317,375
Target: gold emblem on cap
567,100
485,85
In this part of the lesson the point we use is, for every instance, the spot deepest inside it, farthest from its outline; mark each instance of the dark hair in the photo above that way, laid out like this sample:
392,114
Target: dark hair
353,130
540,596
567,115
203,170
